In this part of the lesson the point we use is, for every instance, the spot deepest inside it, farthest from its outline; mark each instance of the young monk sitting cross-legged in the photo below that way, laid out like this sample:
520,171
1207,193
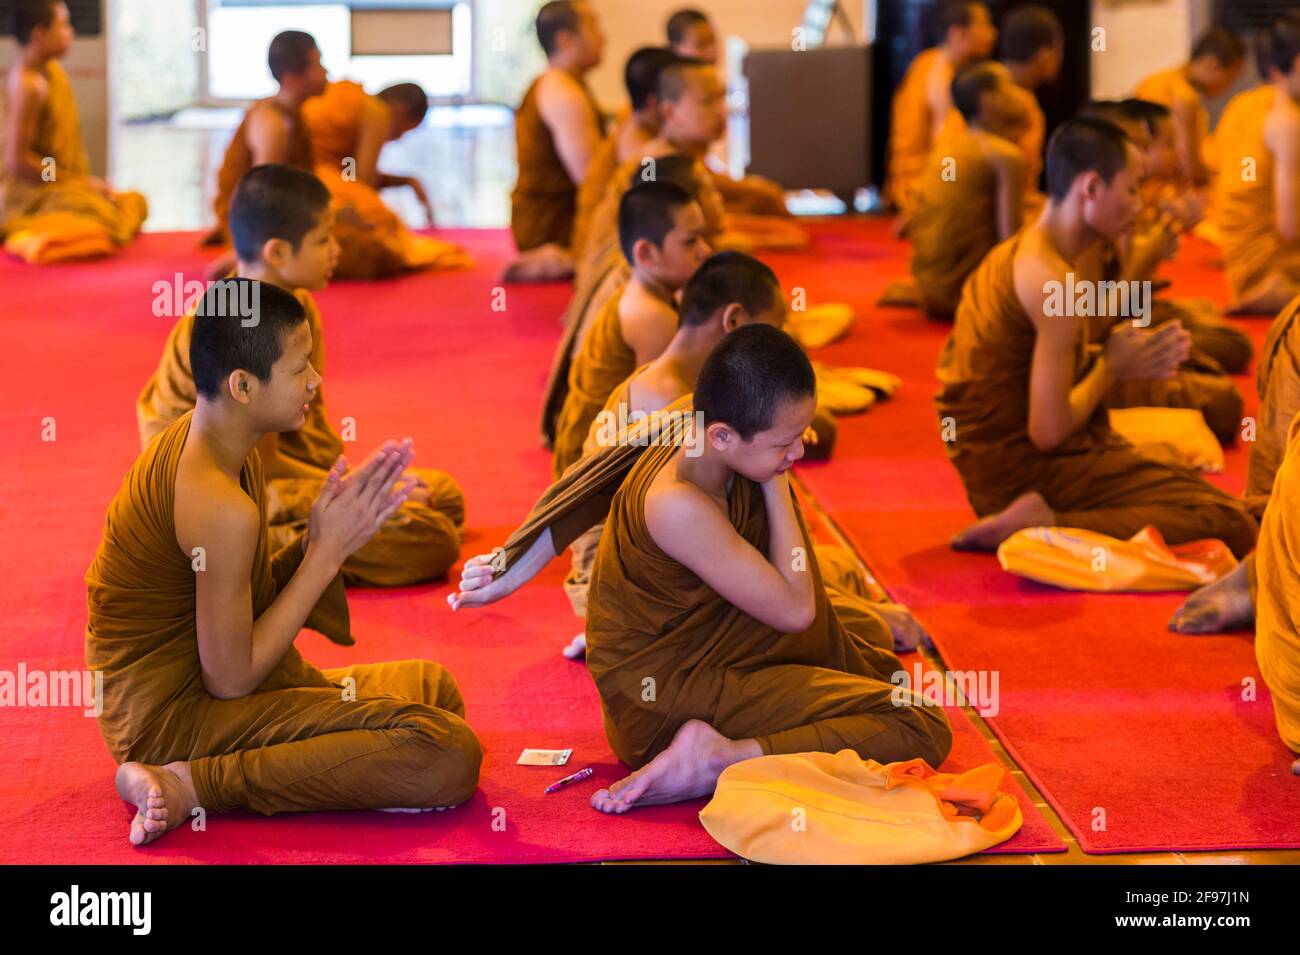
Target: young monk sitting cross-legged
51,207
1022,396
280,221
712,634
193,614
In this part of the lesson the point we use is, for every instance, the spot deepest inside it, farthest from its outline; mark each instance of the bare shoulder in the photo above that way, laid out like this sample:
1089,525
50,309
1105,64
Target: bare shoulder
655,389
26,86
210,507
676,511
1036,264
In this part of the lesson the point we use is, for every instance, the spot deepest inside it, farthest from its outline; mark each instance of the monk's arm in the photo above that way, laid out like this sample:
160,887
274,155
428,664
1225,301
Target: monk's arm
268,136
776,589
1286,177
938,95
371,133
574,126
647,331
1011,171
478,587
25,94
237,652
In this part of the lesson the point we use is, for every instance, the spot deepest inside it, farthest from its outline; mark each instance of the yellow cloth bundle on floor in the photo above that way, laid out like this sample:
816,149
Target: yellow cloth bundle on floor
59,237
1182,430
818,326
1077,559
851,390
815,808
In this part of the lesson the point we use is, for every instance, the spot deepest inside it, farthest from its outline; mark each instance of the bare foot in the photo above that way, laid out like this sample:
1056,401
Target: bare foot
577,648
687,769
1028,510
163,797
1217,607
1295,767
907,630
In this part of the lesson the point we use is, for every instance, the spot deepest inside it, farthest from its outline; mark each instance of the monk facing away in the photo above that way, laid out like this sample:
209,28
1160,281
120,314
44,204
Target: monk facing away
662,234
272,130
712,635
923,100
1257,190
972,195
558,127
1216,62
280,222
51,207
193,613
635,128
1022,396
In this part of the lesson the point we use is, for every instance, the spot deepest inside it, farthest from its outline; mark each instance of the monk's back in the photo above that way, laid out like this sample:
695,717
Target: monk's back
910,124
955,225
1244,187
333,122
238,158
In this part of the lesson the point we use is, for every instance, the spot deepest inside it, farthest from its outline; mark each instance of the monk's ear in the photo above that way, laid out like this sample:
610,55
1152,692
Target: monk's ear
733,316
644,253
276,252
240,386
720,435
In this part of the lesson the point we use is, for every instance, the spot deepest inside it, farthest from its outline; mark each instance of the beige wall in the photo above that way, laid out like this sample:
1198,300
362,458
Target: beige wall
633,23
1142,36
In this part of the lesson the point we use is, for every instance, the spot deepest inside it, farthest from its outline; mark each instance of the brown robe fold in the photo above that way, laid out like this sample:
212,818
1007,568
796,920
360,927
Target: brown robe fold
664,648
299,742
418,543
1093,480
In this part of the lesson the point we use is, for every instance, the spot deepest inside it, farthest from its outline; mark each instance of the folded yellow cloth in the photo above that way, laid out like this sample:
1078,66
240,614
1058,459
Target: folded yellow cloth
823,809
820,325
1077,559
59,237
851,390
1183,430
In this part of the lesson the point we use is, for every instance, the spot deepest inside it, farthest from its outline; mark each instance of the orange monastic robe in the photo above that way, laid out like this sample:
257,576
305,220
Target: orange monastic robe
64,216
420,542
911,131
1094,479
1277,602
374,242
649,618
1261,266
294,744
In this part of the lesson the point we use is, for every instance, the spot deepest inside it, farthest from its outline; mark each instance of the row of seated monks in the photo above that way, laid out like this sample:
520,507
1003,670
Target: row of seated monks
713,627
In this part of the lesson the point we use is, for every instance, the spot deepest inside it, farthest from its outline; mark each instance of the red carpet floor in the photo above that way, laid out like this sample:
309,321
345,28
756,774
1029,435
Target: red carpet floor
1138,737
427,357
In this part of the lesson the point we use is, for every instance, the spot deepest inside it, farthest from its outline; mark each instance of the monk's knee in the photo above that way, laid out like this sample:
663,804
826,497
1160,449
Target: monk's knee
447,772
935,737
1223,411
1237,528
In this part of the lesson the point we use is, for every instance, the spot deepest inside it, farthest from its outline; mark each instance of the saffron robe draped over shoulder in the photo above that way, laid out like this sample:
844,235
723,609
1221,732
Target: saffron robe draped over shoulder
374,243
418,543
911,129
1278,381
1094,479
650,618
43,207
1260,264
295,743
1277,601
